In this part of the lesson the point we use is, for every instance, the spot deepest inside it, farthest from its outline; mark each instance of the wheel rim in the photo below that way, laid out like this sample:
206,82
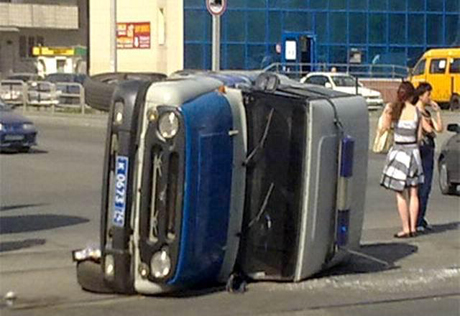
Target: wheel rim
443,178
455,104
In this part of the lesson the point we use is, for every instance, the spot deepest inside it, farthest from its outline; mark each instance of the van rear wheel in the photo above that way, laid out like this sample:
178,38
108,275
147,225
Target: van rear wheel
455,102
91,277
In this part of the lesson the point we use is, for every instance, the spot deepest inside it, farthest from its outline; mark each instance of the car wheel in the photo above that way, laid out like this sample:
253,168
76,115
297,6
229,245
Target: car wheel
98,94
91,277
455,102
25,149
444,184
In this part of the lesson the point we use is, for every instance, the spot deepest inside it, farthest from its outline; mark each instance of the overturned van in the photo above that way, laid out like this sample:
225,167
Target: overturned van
265,180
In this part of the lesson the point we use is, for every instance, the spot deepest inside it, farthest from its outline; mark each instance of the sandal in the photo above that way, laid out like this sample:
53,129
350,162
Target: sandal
402,235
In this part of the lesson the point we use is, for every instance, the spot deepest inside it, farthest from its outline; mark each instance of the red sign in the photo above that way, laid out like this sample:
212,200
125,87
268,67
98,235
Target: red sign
133,35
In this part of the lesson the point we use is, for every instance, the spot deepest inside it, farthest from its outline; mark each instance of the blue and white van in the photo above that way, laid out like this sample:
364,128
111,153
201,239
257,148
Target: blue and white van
259,180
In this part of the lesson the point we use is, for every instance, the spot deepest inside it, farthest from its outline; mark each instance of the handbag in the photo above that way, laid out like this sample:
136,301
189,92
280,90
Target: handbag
383,139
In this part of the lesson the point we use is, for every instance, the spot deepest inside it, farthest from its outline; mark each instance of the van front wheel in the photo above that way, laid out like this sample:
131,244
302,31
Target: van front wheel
455,102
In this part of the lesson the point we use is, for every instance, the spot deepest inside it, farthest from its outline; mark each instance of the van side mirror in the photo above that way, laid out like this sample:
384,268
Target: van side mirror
453,128
328,85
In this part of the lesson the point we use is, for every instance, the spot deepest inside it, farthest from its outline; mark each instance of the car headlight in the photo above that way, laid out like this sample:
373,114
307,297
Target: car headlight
160,264
118,113
168,125
109,266
28,126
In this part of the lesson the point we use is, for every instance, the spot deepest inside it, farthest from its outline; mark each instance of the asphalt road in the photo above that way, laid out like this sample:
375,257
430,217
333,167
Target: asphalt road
49,205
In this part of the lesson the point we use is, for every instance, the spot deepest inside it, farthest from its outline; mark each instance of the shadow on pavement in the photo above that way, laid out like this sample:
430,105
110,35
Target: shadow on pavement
31,151
390,253
19,206
16,245
30,223
441,228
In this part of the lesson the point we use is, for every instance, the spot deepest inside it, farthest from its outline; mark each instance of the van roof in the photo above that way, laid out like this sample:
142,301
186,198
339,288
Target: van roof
443,52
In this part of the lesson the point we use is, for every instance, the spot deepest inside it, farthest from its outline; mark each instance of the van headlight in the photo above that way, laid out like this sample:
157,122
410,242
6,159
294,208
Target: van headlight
118,113
109,266
168,125
160,264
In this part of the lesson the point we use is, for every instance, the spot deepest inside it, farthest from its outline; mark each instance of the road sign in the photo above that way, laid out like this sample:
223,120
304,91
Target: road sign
216,7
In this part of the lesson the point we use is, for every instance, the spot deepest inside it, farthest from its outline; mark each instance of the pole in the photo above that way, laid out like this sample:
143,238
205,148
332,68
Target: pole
215,43
113,35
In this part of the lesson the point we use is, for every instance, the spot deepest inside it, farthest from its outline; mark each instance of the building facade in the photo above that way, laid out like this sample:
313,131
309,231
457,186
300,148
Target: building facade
253,32
28,23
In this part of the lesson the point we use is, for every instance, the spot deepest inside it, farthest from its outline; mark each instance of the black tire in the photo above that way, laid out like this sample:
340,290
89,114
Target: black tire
455,102
25,149
99,89
98,94
446,187
91,277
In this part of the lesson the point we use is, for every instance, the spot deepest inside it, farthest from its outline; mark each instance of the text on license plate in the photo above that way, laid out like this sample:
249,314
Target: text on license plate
121,180
14,137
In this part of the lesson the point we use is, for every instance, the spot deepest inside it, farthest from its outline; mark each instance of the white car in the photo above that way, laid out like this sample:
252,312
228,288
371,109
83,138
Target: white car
344,83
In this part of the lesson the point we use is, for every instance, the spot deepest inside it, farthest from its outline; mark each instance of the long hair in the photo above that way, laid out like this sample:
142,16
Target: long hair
421,89
405,93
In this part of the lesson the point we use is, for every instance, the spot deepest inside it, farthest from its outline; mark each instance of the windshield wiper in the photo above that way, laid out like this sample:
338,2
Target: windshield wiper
261,143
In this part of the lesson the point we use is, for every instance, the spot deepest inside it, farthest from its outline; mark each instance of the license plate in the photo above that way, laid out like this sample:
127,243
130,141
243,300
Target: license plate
14,137
121,180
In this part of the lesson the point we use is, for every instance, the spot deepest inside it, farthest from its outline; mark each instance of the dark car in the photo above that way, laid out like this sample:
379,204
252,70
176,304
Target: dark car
449,162
62,77
16,131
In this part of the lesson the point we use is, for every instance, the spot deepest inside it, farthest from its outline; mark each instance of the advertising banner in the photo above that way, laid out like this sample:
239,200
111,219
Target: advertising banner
133,35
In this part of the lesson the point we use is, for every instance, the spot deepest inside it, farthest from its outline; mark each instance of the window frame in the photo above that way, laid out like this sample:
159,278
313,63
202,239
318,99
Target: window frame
438,60
422,61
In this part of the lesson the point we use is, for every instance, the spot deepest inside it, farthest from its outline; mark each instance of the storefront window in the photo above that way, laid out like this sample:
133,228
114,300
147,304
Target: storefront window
452,5
435,5
194,56
274,26
434,29
318,4
416,29
416,5
378,4
297,21
397,26
235,56
338,27
398,5
358,4
377,28
337,4
358,27
256,55
195,21
451,28
256,23
235,26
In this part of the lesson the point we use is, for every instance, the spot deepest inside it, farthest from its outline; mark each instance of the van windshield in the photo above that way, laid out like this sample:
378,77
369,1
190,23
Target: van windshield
419,69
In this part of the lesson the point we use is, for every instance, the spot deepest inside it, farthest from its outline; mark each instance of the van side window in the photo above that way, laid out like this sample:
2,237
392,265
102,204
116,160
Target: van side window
420,68
455,66
438,66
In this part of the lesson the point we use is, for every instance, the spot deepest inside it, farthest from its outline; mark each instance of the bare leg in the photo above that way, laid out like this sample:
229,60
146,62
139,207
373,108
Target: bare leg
413,208
403,210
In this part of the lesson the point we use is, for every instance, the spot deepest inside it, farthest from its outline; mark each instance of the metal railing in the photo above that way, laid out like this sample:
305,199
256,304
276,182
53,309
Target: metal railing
43,94
299,70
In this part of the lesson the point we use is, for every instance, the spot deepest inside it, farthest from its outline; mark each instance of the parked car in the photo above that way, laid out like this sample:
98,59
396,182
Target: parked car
16,131
64,77
25,77
345,83
449,162
12,90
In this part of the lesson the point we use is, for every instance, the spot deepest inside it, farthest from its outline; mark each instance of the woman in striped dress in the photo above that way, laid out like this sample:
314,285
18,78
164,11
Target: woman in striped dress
403,170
